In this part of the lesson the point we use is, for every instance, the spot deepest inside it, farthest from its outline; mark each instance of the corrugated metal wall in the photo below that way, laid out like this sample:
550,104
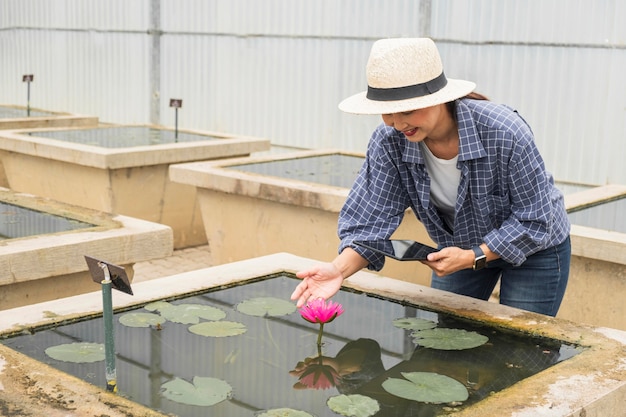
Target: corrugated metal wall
278,68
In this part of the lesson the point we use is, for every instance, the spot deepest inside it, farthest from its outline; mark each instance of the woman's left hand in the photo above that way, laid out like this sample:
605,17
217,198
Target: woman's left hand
449,260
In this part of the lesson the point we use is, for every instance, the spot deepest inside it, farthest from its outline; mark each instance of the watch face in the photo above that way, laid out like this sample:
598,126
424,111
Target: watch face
480,263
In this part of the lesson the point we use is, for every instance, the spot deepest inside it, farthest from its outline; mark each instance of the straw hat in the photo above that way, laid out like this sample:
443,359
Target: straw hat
404,74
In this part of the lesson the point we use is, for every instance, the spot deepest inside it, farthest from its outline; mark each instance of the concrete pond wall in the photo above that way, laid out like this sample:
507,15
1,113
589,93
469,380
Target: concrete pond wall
597,285
20,117
127,180
41,266
591,383
249,214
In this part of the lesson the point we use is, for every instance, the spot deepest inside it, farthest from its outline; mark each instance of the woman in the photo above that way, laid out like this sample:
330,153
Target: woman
471,173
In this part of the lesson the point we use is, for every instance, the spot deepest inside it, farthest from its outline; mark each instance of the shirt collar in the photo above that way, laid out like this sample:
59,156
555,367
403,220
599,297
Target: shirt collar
412,153
470,145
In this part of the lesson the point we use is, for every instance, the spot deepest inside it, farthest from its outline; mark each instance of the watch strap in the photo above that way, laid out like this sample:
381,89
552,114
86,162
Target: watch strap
478,252
480,260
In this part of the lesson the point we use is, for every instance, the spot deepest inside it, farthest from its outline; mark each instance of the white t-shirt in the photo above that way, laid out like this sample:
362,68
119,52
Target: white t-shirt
444,183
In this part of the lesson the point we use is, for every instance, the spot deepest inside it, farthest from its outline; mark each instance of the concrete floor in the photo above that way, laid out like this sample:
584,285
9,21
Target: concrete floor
182,260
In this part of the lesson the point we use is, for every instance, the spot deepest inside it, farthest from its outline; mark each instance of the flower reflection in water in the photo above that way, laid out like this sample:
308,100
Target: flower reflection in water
356,363
316,373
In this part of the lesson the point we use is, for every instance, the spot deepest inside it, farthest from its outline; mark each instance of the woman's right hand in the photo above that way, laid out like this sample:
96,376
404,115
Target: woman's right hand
319,281
324,280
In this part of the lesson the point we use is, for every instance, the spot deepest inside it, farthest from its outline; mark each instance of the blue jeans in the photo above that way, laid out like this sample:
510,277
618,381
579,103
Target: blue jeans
537,285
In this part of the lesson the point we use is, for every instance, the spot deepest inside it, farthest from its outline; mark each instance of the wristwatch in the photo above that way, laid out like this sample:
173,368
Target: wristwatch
480,259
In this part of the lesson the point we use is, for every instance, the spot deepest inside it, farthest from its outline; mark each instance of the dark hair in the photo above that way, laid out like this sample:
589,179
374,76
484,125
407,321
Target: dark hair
472,96
475,96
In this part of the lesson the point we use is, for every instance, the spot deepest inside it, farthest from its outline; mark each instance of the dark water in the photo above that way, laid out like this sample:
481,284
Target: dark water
334,169
123,136
13,113
16,222
363,344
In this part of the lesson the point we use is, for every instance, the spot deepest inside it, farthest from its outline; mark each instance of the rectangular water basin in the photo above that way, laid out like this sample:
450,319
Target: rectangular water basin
17,117
284,203
43,245
19,222
119,169
532,365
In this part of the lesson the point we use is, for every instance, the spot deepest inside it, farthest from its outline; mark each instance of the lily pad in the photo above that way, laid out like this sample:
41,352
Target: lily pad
157,306
77,352
354,405
186,313
284,412
141,319
218,328
204,391
427,387
261,306
414,323
449,339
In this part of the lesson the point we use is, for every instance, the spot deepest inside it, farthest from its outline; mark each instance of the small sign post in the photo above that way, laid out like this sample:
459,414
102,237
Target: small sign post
28,78
176,103
110,276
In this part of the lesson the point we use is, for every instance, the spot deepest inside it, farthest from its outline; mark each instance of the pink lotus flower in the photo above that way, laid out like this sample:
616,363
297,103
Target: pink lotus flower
320,311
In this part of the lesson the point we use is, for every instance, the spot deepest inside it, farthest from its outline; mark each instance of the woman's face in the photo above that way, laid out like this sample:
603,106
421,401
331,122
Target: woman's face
418,125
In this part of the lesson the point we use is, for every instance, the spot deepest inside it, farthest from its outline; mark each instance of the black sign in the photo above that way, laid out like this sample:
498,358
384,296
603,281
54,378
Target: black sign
118,276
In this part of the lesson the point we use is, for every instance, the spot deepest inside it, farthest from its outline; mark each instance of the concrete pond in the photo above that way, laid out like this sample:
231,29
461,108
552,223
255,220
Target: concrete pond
121,169
43,244
252,206
584,371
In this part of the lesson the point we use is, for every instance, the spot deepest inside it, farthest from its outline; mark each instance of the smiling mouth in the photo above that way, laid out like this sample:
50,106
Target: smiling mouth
409,132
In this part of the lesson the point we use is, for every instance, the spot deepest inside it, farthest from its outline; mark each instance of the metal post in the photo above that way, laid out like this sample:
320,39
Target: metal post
177,104
28,78
28,99
176,126
109,337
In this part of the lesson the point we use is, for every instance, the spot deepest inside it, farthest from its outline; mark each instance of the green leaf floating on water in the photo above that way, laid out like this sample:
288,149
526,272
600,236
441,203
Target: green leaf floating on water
283,412
141,319
414,323
204,391
354,405
218,328
186,313
157,306
448,339
260,306
77,352
426,387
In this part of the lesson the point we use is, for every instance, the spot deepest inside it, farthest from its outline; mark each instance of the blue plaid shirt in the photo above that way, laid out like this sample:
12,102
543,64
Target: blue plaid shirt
506,198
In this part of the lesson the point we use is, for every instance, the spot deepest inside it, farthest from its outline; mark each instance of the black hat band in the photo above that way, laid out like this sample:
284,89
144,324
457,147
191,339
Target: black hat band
410,91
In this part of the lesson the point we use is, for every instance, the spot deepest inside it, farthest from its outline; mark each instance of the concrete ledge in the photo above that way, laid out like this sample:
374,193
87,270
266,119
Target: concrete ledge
216,176
217,145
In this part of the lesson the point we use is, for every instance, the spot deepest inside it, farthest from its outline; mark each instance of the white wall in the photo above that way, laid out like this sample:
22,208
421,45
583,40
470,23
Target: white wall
278,68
